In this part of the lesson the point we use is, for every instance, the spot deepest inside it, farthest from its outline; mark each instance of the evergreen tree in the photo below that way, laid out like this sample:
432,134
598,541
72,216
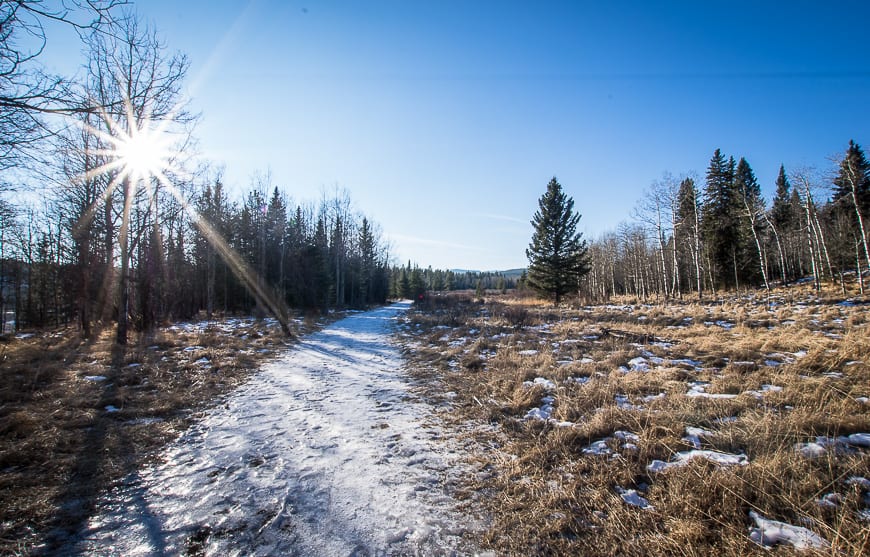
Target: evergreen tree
750,249
720,221
852,193
781,212
854,178
557,254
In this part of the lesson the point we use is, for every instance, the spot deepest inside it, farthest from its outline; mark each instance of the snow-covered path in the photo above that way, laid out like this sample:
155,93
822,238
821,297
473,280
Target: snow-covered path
324,452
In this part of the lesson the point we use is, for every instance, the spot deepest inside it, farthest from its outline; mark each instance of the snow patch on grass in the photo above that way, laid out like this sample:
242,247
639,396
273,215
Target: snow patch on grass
768,533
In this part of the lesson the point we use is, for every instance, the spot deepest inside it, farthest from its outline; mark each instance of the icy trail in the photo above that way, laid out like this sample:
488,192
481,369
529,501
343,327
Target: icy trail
324,452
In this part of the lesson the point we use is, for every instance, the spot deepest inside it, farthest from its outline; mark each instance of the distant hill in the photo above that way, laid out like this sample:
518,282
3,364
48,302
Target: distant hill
510,273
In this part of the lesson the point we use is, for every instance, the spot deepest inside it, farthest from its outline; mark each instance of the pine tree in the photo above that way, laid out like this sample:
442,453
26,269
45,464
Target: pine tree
557,254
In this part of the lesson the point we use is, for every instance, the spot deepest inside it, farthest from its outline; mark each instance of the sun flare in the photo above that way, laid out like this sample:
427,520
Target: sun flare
142,154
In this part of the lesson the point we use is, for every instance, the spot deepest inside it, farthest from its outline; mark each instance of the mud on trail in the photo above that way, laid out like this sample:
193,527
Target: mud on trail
324,452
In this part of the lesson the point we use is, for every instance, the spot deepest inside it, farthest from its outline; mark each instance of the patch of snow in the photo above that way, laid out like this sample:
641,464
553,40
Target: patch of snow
626,436
862,399
145,421
112,409
859,440
540,381
631,497
688,362
624,402
95,378
823,445
639,364
193,348
724,324
543,412
695,434
587,361
528,352
768,533
699,389
830,500
580,380
628,442
598,448
23,336
765,389
683,458
860,481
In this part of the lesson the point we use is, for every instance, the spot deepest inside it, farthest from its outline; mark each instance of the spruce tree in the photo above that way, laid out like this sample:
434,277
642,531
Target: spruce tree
750,249
557,254
852,192
720,218
781,212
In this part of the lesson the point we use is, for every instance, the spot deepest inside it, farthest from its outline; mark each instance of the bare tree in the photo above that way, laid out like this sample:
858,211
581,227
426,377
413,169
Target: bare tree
27,91
131,70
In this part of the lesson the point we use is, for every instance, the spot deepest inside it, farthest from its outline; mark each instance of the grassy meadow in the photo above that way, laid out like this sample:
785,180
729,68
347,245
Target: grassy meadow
678,428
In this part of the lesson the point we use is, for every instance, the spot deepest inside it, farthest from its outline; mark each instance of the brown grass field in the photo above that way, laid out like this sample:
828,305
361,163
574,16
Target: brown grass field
625,382
77,416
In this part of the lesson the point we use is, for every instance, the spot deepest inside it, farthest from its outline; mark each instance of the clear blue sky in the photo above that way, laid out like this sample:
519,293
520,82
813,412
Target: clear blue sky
446,119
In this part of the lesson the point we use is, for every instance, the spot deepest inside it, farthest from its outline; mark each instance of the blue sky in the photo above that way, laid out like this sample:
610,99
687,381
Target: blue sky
445,120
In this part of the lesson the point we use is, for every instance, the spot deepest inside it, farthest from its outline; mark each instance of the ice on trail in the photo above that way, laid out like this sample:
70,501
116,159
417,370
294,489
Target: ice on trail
323,452
768,533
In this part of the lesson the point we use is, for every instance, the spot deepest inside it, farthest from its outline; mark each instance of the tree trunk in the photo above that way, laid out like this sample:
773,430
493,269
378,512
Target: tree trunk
123,293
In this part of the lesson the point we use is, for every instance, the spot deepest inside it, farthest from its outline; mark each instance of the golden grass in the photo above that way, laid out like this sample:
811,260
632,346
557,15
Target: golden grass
798,370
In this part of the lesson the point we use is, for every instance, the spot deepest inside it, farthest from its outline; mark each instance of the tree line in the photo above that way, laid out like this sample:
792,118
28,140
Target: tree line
128,228
694,239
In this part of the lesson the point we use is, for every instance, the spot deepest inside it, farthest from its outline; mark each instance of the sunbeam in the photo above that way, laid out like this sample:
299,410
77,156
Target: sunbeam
139,152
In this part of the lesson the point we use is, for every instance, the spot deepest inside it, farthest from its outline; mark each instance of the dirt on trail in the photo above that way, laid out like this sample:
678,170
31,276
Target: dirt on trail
326,451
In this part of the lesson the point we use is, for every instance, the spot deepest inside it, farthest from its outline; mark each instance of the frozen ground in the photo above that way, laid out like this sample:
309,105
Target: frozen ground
324,452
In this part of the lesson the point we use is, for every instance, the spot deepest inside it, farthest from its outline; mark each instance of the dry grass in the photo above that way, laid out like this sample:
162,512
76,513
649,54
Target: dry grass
797,370
77,415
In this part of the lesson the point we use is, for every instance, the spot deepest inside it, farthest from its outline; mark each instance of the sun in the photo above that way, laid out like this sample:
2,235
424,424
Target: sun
143,153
